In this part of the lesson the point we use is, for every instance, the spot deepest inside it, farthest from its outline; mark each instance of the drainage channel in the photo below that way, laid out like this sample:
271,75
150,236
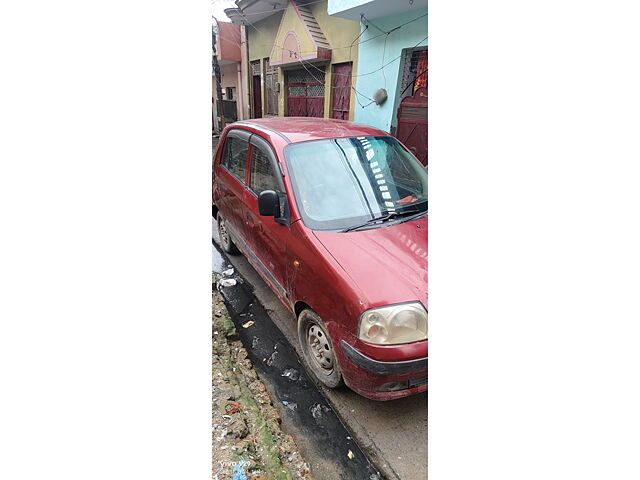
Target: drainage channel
321,436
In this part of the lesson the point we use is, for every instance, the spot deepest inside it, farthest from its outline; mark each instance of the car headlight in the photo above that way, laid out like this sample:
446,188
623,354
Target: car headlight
394,324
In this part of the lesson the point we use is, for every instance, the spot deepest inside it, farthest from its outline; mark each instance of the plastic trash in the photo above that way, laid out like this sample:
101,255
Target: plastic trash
291,373
227,282
271,358
228,273
238,470
248,324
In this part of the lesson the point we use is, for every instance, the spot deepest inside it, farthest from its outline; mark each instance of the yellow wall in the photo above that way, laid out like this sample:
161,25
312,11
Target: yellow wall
338,31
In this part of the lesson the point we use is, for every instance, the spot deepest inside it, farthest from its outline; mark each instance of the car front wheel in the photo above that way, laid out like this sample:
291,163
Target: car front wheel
317,348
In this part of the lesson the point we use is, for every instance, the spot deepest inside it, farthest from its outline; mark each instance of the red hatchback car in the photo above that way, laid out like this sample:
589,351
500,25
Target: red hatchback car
333,216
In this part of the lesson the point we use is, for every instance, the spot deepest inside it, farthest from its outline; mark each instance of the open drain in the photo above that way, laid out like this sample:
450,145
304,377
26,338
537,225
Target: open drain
306,414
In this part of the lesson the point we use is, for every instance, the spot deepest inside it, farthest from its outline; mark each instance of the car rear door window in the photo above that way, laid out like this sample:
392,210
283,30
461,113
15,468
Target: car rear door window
234,157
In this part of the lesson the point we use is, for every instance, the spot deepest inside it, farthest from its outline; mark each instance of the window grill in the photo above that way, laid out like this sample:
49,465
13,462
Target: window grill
255,67
297,91
410,60
315,90
305,76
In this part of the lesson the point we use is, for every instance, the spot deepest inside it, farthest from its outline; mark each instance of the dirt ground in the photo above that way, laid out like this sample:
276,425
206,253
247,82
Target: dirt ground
248,443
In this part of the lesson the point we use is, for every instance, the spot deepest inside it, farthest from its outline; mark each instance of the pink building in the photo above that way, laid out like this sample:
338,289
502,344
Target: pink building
229,41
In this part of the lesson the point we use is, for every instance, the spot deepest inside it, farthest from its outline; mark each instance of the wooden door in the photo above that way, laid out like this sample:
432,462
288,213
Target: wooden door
305,92
257,97
341,91
412,123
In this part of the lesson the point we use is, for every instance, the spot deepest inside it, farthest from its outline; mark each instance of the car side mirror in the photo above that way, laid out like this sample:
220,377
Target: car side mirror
269,204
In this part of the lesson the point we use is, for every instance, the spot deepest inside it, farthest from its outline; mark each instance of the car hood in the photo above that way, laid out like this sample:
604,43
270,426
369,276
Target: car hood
387,264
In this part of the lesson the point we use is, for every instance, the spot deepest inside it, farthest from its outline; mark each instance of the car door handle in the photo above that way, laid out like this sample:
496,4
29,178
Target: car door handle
250,219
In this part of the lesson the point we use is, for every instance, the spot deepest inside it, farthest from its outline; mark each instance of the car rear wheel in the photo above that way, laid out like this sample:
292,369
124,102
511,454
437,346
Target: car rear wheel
225,239
317,348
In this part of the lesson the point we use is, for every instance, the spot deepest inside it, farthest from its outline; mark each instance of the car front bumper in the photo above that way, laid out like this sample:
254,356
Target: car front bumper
382,380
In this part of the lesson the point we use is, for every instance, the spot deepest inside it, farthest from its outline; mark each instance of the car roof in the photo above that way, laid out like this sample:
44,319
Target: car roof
302,129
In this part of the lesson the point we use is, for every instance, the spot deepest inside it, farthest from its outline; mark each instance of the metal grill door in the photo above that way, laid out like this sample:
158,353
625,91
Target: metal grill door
305,92
341,91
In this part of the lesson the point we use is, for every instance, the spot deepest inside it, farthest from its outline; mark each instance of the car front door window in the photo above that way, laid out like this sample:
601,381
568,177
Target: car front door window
264,177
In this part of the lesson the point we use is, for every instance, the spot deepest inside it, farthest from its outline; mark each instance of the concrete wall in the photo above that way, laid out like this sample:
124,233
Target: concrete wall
370,59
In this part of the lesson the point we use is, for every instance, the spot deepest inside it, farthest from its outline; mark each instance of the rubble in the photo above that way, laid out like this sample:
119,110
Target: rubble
248,443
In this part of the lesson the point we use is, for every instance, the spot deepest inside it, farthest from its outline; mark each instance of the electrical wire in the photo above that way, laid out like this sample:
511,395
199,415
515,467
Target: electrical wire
350,46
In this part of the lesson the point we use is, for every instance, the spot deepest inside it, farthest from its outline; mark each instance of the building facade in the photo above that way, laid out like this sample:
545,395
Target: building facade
393,56
300,59
358,60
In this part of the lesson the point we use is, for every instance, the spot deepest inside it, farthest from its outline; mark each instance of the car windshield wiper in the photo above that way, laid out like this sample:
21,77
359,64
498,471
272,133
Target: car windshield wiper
384,218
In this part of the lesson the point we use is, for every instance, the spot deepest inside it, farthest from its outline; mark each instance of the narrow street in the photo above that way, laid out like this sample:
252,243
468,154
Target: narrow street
393,435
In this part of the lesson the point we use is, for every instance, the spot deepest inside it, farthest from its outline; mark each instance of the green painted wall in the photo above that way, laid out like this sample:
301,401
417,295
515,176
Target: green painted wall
262,37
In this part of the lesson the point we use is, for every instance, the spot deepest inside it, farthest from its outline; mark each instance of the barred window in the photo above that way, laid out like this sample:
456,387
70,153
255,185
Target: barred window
234,157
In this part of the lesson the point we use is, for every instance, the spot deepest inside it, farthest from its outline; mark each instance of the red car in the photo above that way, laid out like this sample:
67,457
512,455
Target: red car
333,216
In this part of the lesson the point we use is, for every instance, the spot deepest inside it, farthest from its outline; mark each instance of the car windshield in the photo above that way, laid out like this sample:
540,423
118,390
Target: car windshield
341,183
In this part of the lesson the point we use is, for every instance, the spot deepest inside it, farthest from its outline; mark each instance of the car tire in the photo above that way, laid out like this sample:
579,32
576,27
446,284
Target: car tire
318,350
225,239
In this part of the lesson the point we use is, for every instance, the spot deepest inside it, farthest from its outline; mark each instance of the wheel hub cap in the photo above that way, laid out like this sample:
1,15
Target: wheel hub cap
321,349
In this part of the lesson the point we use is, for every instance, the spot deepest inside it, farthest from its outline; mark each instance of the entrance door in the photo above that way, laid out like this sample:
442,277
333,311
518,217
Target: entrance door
341,91
412,112
305,89
256,90
412,123
257,97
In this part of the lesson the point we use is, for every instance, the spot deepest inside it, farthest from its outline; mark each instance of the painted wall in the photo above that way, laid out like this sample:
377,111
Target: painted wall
229,45
371,59
262,37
